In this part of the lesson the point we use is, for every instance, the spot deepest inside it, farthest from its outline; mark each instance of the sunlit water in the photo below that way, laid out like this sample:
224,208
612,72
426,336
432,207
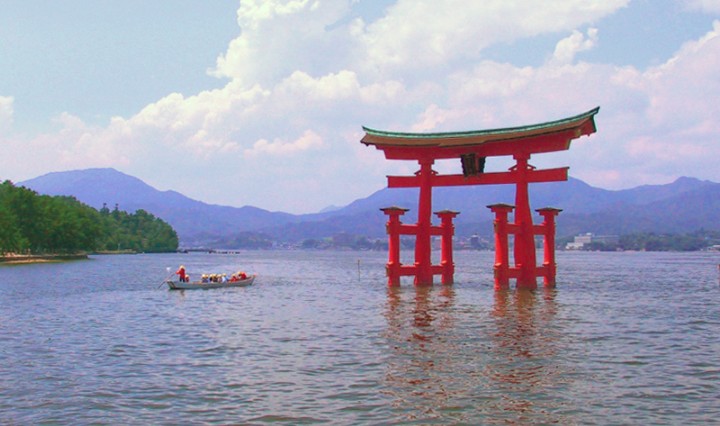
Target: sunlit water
627,338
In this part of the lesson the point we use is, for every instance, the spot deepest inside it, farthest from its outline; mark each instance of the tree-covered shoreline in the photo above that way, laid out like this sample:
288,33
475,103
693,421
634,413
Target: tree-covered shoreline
40,224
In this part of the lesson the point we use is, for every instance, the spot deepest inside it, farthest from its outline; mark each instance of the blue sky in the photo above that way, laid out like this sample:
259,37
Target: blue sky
261,102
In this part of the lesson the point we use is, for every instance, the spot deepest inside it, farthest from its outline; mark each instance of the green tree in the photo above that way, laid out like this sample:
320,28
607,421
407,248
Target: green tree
42,224
11,240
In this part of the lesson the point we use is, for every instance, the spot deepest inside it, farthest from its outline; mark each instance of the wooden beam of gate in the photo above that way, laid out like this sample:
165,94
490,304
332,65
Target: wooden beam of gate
492,178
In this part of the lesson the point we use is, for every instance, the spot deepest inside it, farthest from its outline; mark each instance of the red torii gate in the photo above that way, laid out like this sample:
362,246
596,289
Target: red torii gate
472,148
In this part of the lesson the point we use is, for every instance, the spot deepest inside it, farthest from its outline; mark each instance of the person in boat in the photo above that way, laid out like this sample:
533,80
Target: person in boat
204,278
182,275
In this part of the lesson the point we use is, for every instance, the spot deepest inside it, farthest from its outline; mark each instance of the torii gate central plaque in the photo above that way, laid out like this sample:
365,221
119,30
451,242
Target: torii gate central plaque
472,148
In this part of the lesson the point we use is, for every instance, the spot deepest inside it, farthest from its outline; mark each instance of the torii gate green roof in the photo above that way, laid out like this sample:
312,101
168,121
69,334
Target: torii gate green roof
582,124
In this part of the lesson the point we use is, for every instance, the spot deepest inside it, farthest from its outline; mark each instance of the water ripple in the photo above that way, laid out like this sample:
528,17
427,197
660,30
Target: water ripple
627,338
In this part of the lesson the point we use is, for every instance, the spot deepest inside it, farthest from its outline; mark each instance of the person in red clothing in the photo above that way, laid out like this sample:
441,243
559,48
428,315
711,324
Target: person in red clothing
181,273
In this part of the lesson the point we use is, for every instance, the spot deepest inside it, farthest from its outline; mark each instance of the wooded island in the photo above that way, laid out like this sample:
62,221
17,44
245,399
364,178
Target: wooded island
34,224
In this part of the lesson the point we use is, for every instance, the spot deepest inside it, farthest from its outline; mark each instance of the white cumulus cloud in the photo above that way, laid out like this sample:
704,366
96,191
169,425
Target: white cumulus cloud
308,140
567,48
712,6
433,33
280,37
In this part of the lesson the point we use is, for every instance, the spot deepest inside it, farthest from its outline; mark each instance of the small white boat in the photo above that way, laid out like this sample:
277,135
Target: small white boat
194,285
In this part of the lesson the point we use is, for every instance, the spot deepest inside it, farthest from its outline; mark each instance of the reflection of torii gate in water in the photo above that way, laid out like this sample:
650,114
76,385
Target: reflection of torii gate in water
472,148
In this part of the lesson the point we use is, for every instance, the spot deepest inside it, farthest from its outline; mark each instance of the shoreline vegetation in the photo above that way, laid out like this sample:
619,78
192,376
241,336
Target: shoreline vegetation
105,252
18,259
48,228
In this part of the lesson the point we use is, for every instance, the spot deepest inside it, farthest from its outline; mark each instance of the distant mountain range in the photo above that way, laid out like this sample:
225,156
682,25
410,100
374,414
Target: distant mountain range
688,204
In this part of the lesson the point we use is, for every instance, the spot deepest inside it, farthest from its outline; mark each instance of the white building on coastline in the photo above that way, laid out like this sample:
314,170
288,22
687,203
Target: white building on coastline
581,240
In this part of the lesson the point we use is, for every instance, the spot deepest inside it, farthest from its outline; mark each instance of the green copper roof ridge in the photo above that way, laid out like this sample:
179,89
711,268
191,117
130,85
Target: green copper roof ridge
502,130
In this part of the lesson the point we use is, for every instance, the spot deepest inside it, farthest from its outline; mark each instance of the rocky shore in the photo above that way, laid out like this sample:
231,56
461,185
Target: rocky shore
10,258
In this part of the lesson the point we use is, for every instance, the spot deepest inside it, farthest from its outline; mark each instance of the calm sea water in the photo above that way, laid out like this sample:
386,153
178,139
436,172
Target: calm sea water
627,338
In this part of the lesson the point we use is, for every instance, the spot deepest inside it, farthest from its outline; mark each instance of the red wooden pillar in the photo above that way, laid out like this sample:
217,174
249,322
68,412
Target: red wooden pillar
502,258
525,237
423,260
393,230
548,225
448,230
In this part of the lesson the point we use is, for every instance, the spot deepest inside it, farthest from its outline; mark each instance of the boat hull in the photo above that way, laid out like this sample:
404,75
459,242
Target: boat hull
196,285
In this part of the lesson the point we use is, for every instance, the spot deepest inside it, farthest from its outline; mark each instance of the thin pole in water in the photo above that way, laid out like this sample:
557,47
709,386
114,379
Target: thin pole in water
166,278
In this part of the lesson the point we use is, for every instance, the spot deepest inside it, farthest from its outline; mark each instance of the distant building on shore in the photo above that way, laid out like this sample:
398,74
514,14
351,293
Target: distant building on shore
582,240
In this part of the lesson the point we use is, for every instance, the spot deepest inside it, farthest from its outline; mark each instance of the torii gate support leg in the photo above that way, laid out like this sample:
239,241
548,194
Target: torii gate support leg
448,229
502,259
423,260
525,236
393,230
548,225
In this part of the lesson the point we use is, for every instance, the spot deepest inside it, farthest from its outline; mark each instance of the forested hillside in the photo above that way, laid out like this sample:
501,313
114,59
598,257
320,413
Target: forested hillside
39,224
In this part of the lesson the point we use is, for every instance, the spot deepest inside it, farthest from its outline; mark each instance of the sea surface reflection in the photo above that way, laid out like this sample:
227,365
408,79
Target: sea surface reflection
464,363
524,368
419,373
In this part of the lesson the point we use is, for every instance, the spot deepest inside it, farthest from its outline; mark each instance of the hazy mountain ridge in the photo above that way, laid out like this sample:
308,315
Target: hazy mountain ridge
684,205
189,217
